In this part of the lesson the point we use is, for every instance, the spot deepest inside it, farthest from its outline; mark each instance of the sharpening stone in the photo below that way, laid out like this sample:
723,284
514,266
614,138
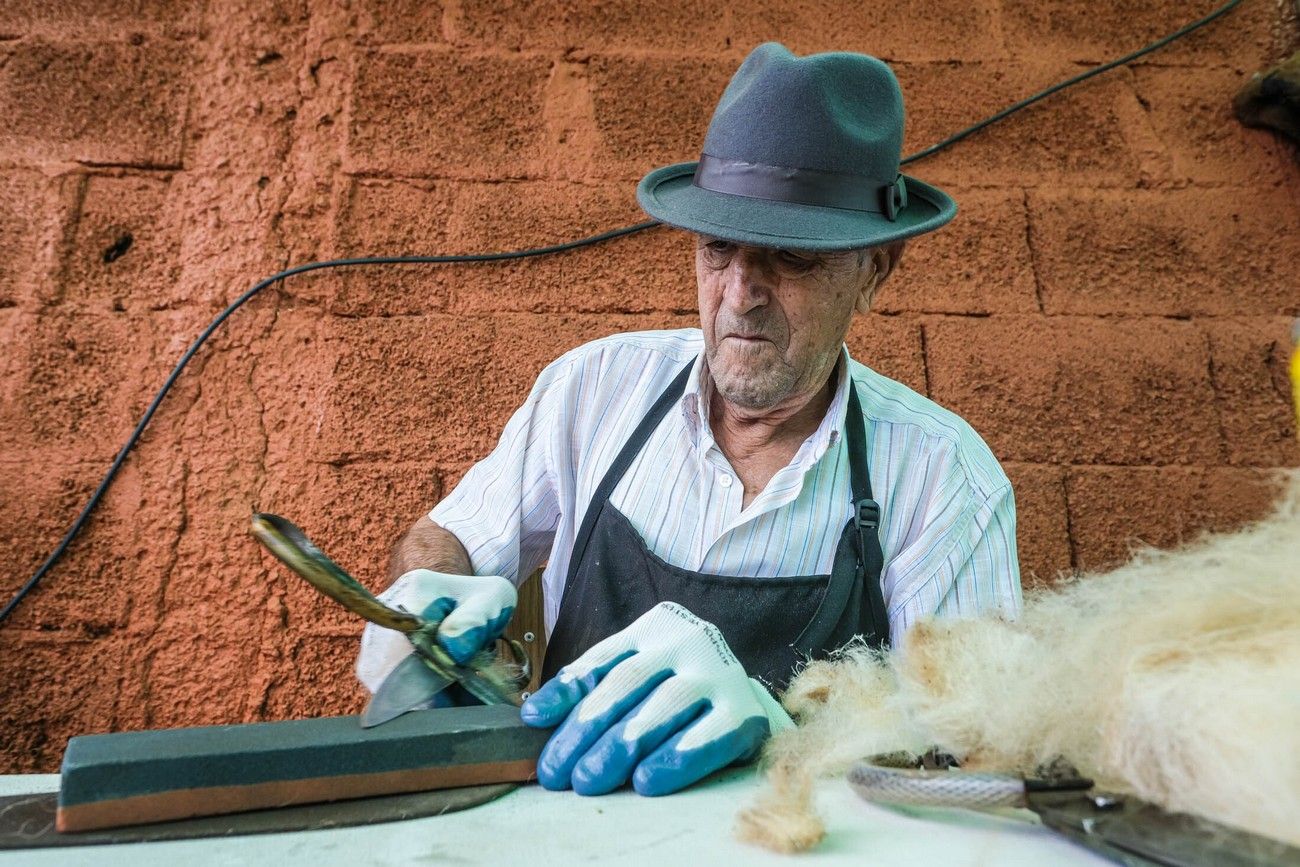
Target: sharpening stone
131,778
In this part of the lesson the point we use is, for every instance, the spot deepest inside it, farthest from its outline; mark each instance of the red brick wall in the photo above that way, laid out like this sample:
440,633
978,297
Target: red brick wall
1109,309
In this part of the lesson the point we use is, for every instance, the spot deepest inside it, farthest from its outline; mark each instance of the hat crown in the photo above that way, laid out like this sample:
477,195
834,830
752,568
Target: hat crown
835,112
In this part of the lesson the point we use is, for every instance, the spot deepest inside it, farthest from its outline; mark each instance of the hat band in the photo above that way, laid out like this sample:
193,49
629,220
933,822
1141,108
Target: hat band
801,186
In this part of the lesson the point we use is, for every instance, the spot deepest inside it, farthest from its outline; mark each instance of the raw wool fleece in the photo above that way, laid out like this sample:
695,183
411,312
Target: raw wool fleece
1175,678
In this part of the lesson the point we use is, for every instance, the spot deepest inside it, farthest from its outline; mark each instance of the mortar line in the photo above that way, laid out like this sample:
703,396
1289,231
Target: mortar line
925,361
1069,523
1218,404
1033,251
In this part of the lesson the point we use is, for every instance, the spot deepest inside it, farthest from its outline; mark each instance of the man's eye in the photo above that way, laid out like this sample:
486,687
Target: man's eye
719,246
795,261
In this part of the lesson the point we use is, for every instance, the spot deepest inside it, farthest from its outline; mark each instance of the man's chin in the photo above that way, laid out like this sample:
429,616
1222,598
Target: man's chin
757,392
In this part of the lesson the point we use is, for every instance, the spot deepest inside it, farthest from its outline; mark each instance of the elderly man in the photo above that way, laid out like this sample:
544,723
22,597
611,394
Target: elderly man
714,505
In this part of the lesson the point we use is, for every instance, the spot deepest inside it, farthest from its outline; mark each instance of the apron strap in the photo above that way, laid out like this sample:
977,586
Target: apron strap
866,520
866,511
622,461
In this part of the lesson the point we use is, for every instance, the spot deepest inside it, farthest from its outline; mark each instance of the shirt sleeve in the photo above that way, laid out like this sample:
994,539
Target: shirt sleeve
506,508
977,569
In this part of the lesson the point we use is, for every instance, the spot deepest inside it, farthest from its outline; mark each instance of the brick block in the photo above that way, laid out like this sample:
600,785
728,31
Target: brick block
405,21
83,380
317,679
526,343
1191,111
1092,135
442,113
41,493
408,388
289,381
227,225
651,111
978,263
1113,508
1095,32
1167,252
692,26
392,218
652,270
200,660
26,207
63,414
904,31
90,19
889,345
1076,390
54,689
97,103
122,254
440,388
15,327
1252,390
110,576
1042,525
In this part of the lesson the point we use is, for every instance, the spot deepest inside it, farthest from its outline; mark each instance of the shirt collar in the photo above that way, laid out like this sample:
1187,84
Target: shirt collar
699,391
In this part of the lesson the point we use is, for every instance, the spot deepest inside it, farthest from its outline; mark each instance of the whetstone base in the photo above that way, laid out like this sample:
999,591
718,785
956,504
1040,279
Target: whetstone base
132,778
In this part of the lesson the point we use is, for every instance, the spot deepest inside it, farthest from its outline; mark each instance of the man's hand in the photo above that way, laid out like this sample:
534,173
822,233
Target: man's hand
474,609
664,702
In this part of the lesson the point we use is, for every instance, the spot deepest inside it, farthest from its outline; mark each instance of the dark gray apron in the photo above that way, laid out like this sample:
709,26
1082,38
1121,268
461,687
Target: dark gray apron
770,623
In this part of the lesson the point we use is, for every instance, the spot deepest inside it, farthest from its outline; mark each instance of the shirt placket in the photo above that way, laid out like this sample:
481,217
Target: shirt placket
721,498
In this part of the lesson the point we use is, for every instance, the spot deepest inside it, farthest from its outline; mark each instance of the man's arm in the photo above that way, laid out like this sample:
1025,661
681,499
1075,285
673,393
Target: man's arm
437,582
428,546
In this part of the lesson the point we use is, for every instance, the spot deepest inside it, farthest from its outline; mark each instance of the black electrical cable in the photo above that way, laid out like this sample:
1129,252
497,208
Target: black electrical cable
235,305
516,254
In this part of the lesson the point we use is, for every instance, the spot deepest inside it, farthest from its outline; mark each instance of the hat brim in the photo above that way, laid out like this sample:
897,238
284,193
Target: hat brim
668,195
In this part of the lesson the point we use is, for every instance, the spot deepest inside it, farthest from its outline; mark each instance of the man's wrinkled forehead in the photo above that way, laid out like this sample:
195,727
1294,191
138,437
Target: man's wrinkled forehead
703,240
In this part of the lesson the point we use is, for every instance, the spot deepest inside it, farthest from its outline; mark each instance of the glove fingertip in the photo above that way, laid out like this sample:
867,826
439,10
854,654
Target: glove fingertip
499,623
547,707
462,647
551,781
653,783
552,774
671,768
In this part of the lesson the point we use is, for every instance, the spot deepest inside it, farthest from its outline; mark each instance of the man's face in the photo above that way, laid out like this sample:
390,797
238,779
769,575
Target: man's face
774,320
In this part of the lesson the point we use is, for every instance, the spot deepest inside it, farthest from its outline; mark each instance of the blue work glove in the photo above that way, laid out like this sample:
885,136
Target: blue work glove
664,702
474,610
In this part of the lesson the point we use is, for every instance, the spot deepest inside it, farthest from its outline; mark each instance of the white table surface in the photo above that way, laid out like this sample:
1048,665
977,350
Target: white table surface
532,826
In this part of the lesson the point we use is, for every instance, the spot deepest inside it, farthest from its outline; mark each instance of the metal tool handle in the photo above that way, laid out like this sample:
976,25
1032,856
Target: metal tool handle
970,789
292,547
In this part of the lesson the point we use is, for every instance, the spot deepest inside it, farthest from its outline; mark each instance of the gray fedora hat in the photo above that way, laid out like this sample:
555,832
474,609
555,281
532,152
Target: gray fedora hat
802,153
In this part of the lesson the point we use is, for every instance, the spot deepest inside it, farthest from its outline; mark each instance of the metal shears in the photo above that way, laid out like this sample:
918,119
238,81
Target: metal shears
1123,829
422,675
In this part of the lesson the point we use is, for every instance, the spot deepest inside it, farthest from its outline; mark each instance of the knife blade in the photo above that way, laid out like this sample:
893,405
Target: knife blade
1132,831
409,686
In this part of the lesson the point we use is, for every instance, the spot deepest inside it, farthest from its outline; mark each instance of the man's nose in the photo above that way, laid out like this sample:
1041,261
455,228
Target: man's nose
750,280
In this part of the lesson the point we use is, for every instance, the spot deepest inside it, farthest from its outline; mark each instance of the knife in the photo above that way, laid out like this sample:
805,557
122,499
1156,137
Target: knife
419,677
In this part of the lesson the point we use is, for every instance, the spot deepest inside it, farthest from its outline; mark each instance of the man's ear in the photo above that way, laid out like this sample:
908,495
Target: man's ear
877,264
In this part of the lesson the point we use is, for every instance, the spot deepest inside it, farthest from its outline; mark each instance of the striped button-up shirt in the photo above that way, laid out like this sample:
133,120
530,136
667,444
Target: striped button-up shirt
947,525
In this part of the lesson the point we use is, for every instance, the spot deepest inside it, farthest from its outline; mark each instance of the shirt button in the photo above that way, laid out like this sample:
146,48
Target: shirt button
724,480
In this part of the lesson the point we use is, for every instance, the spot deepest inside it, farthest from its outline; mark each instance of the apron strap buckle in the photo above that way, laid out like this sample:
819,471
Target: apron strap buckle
866,514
